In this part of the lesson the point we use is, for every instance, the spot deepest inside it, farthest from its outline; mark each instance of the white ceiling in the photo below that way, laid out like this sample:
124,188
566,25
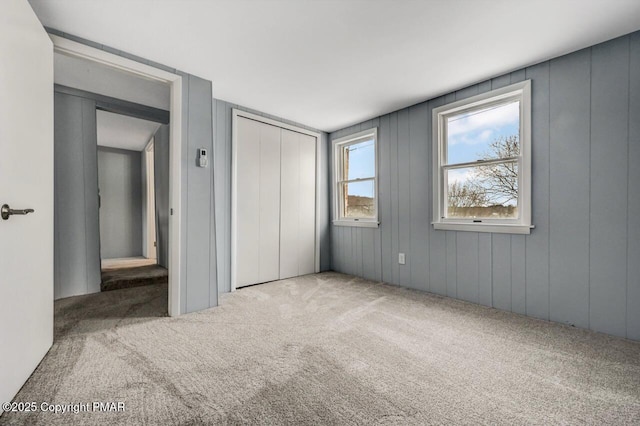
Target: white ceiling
332,63
123,132
97,78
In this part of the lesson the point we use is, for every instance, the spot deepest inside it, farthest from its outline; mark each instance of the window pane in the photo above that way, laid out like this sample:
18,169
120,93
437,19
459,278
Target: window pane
359,199
359,160
489,191
483,134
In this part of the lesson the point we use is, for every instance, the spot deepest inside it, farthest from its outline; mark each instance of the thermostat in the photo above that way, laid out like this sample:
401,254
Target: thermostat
203,161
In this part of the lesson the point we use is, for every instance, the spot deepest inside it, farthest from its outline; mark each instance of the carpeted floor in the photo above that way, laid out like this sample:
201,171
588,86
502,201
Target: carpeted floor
120,278
327,349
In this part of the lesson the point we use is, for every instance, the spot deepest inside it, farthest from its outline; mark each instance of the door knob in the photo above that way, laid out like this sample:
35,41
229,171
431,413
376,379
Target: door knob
6,211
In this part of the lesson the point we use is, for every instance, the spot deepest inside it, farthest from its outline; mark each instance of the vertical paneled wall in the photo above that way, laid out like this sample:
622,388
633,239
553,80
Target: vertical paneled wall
199,289
222,116
581,263
76,229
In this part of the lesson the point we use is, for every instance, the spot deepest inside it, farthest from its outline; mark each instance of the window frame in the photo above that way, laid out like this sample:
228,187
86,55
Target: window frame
522,224
338,181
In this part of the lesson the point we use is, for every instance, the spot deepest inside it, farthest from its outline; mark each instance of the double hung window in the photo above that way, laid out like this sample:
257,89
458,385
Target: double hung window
355,180
482,162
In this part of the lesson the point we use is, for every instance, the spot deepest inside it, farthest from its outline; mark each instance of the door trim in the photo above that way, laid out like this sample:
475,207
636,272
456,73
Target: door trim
71,48
150,222
118,106
234,145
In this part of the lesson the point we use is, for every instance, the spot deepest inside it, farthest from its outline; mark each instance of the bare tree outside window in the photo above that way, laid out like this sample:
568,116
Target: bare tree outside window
489,190
500,181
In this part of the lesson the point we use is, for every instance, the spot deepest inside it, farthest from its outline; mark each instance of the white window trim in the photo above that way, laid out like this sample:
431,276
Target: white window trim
521,225
337,160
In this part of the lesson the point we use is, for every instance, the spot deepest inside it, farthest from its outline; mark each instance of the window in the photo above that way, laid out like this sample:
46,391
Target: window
356,183
482,162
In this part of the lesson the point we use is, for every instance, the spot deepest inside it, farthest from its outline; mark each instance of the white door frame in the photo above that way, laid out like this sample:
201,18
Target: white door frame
75,49
234,157
150,195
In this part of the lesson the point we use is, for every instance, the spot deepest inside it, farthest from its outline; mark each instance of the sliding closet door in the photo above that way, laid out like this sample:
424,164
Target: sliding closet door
297,204
269,203
257,202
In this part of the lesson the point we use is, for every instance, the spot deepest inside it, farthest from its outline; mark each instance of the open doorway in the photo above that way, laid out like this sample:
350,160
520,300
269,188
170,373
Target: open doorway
128,211
192,227
112,160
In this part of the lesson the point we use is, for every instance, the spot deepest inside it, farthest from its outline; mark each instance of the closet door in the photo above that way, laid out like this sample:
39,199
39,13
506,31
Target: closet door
297,204
269,203
258,202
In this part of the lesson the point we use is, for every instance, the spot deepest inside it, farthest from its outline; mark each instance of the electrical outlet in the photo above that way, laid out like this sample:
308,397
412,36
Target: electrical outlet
401,259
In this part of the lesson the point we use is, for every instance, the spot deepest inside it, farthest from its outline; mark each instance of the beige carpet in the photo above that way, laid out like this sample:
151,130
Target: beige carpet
328,349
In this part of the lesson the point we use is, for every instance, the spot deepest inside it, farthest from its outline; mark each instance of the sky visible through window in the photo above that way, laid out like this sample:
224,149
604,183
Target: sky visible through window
361,165
469,138
472,136
469,134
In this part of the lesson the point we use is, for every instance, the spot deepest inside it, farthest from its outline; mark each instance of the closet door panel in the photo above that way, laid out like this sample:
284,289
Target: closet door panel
307,205
248,202
276,200
289,204
269,211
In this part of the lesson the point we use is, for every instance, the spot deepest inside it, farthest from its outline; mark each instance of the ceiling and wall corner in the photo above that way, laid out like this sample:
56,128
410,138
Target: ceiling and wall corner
114,130
123,132
333,63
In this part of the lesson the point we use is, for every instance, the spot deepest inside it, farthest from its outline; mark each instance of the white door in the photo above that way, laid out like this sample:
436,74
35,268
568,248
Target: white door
26,182
257,177
274,203
297,204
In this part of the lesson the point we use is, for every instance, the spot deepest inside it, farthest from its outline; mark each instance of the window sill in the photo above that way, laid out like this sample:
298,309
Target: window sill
357,223
484,227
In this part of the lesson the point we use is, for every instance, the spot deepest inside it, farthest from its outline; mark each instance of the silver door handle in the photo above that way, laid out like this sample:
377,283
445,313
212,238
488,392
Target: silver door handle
6,211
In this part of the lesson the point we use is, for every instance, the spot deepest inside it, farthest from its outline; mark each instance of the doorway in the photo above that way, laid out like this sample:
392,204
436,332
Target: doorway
146,77
128,212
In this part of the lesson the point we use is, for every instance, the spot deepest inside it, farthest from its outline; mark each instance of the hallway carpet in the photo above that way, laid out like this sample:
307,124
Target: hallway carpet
327,349
117,279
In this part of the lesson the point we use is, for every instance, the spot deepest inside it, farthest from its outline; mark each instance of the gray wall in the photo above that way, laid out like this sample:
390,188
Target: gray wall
120,185
161,182
581,264
198,246
76,230
222,117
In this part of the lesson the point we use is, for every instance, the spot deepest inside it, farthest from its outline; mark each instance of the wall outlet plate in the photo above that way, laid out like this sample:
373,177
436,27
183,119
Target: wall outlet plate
401,258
